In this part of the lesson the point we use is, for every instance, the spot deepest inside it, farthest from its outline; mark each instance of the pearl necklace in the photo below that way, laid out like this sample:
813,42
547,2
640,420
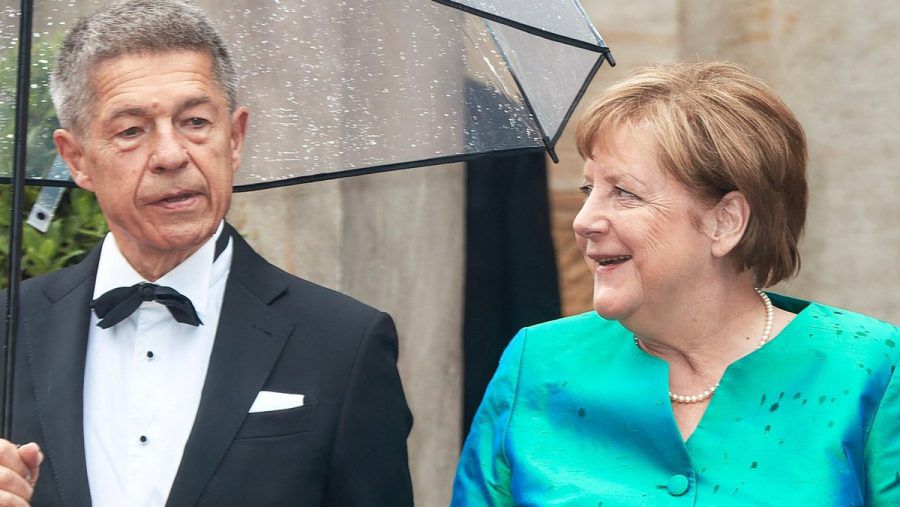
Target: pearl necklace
707,393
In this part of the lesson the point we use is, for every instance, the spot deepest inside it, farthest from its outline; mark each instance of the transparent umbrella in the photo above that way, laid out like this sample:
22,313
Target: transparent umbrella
336,88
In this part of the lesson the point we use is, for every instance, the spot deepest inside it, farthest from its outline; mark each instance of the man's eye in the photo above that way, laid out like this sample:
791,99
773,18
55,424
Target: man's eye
130,132
197,122
585,189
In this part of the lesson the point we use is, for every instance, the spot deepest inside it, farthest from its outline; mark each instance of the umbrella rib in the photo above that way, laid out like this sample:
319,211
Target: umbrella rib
17,191
449,159
537,121
382,168
39,182
597,48
580,94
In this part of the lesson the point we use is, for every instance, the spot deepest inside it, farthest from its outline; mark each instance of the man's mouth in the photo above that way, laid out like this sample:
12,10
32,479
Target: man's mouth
178,198
611,260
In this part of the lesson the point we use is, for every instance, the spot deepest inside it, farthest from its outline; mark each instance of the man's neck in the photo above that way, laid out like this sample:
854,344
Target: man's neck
153,264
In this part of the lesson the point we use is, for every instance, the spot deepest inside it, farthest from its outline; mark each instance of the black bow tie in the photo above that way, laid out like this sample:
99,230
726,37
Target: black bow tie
117,304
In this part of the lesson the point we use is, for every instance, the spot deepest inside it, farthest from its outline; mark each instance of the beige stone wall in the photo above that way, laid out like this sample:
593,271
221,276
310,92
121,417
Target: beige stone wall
835,65
394,241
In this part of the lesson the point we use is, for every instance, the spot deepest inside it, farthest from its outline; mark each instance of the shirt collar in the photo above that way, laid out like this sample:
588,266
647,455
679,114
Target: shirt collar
192,278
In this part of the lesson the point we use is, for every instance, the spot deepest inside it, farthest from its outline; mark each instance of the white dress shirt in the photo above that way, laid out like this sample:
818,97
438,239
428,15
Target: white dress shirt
144,376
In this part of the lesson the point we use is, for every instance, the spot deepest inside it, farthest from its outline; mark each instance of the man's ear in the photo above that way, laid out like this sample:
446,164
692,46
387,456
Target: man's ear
726,222
238,134
70,149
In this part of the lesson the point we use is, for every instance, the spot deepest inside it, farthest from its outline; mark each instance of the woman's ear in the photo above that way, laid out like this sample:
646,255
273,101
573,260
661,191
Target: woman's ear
727,221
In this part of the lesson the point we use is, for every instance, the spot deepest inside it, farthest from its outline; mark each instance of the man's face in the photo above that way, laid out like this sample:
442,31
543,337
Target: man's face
159,152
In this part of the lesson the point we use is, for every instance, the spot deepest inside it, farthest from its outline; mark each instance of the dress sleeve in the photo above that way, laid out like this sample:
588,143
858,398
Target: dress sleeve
483,475
883,443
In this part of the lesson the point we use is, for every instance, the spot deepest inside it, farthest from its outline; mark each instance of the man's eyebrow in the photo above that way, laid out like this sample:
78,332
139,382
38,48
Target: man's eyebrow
143,112
194,102
140,112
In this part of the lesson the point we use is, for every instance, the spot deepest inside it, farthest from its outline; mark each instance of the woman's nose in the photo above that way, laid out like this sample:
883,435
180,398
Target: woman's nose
591,219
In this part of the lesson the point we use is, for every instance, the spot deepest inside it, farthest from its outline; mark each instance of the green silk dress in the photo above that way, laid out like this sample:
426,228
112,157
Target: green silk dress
578,415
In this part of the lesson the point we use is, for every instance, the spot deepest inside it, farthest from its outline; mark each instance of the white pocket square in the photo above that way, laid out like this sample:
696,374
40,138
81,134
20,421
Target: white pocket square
267,401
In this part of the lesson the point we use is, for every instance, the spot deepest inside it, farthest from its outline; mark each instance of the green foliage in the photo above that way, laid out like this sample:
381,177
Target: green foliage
78,223
76,228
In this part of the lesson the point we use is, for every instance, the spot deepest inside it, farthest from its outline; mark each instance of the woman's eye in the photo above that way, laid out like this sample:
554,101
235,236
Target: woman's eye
585,190
621,192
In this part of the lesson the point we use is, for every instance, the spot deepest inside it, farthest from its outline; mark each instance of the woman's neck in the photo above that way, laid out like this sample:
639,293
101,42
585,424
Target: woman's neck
704,330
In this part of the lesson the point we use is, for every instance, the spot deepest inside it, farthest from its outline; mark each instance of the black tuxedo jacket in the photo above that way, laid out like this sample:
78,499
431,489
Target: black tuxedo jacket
345,447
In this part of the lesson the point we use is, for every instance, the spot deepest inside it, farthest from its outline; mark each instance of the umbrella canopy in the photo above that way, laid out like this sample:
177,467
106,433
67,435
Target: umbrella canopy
336,88
357,86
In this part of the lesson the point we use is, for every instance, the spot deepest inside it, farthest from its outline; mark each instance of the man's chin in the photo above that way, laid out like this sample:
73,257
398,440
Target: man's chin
173,238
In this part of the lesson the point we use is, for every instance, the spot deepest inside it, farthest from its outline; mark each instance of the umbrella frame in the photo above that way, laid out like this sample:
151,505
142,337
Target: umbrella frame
17,180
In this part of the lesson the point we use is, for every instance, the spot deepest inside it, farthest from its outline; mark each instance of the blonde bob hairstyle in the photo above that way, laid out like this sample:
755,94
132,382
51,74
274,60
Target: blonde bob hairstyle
717,130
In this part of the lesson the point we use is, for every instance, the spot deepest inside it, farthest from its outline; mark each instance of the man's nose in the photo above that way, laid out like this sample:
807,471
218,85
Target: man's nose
169,151
593,218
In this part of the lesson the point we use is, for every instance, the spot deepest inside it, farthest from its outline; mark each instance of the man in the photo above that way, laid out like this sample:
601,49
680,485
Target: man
232,382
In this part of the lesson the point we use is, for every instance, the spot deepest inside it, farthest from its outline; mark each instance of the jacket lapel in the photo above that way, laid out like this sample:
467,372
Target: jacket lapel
55,342
249,341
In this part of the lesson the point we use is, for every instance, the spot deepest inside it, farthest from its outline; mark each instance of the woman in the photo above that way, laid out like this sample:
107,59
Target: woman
689,385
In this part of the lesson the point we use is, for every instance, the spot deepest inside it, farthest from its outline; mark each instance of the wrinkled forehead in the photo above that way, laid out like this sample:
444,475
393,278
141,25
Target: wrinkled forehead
167,72
116,66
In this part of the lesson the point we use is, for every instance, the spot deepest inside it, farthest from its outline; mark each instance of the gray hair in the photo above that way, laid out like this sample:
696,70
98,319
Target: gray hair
132,27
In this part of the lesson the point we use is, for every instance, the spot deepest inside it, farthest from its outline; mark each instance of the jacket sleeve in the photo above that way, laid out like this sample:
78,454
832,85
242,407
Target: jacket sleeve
883,443
369,464
483,475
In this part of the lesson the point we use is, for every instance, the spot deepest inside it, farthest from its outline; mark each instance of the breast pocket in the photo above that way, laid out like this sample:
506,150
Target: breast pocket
278,423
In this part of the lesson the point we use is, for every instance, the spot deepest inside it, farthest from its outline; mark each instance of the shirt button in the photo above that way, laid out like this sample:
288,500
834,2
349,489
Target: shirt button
149,354
678,485
143,439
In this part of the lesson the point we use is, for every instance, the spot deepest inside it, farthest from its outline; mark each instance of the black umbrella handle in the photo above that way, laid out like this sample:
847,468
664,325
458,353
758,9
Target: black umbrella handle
17,192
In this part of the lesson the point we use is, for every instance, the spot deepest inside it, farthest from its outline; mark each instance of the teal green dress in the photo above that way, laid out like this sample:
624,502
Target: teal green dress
578,415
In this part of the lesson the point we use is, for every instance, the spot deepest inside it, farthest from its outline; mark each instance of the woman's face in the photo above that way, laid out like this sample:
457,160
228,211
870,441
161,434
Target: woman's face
639,229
